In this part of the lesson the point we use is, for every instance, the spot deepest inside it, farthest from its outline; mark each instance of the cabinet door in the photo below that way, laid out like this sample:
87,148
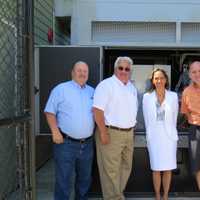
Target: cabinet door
55,64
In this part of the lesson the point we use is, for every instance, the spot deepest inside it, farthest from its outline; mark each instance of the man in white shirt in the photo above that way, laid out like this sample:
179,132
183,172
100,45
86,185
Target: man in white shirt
115,108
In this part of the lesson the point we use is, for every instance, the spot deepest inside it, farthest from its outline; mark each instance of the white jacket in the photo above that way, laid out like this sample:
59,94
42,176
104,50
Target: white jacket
171,113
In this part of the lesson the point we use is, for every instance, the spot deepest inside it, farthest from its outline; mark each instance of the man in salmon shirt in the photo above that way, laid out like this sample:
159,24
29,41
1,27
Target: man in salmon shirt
191,108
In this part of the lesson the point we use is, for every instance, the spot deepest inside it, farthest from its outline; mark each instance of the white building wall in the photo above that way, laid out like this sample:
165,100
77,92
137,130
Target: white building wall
87,11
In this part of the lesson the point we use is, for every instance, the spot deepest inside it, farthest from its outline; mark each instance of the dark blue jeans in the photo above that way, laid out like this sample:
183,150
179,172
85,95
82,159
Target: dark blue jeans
73,156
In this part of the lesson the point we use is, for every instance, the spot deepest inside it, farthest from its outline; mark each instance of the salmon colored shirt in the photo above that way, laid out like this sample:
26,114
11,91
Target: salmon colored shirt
190,104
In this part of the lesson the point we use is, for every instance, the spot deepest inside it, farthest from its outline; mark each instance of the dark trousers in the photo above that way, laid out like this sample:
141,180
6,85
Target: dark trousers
73,156
194,147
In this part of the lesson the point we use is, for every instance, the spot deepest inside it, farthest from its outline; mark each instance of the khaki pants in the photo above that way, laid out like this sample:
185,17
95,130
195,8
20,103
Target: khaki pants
115,163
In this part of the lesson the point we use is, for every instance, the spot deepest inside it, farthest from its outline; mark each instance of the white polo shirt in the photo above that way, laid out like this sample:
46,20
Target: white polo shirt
118,101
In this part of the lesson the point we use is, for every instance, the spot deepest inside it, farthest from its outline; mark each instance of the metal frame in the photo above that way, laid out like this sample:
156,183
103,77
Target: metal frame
24,120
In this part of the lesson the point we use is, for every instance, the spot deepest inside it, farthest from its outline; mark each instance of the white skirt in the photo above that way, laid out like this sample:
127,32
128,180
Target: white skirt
162,150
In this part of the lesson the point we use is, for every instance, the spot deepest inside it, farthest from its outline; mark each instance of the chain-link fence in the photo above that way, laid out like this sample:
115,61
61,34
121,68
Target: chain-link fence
15,160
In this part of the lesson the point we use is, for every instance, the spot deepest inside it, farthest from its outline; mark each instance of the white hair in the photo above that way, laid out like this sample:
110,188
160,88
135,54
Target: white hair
194,63
123,59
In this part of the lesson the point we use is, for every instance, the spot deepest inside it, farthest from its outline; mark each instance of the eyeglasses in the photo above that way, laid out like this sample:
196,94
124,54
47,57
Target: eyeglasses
126,69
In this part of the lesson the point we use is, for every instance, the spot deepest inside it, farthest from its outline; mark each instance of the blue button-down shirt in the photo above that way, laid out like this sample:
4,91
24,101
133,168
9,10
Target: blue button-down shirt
72,106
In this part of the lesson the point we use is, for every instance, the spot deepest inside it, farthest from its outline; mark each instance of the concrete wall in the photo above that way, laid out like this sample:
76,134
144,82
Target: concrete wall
86,11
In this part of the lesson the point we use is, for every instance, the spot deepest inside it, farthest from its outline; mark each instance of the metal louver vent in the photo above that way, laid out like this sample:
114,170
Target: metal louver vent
133,32
190,32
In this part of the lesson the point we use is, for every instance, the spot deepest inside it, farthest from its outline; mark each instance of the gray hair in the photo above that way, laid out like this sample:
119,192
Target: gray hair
78,63
123,59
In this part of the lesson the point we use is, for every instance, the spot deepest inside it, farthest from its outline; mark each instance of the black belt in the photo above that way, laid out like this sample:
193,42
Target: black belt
195,125
119,129
82,140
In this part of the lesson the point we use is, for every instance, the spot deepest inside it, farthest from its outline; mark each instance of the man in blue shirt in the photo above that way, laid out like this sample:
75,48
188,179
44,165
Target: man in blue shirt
69,116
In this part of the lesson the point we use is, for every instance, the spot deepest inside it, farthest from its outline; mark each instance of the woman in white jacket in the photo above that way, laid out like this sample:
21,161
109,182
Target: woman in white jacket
160,110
